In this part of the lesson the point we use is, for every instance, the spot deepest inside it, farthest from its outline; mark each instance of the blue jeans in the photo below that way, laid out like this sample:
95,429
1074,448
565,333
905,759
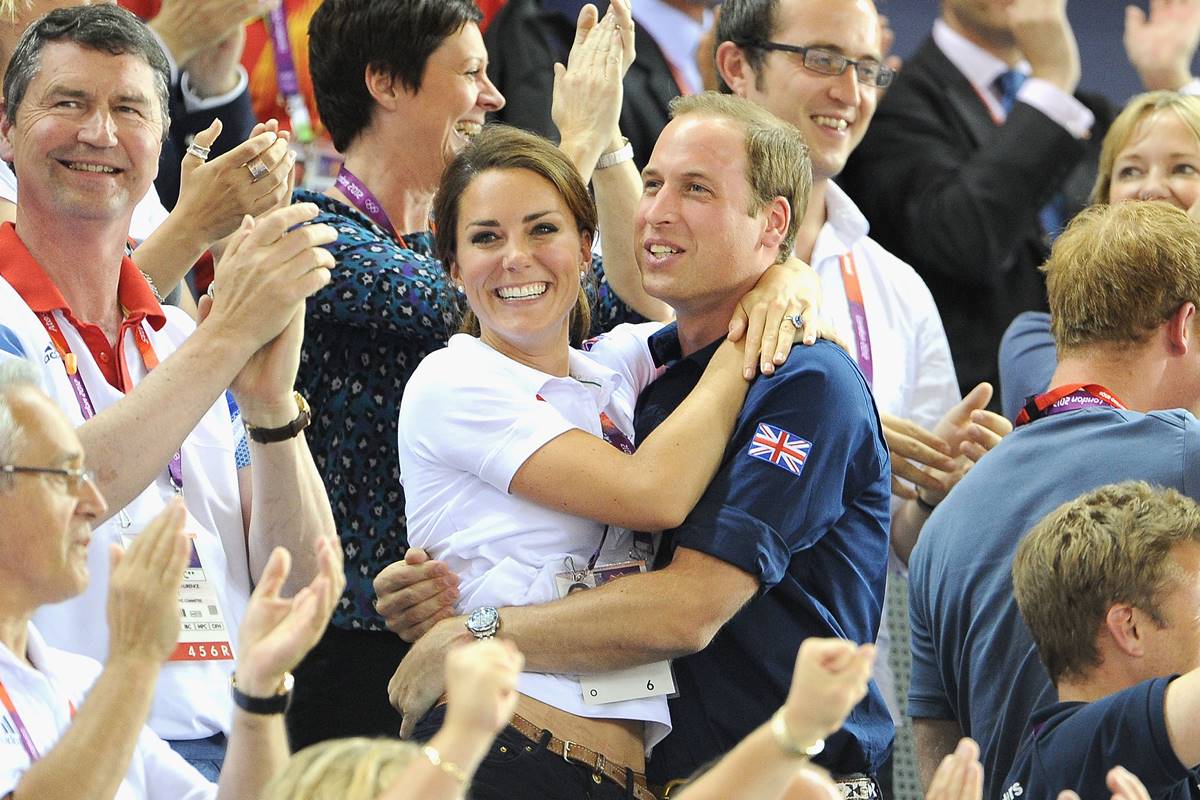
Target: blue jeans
516,768
206,755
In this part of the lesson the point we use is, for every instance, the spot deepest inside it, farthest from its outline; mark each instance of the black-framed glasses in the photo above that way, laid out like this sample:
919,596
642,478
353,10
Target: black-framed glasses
829,62
73,478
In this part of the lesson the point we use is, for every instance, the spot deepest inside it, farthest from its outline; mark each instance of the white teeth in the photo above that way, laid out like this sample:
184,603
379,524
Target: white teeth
468,129
515,292
90,168
831,122
662,249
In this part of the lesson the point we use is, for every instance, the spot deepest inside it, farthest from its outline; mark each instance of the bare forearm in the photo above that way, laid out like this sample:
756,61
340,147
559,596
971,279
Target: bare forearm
257,752
684,452
935,739
169,252
618,190
92,757
626,627
422,779
755,768
289,507
906,528
130,443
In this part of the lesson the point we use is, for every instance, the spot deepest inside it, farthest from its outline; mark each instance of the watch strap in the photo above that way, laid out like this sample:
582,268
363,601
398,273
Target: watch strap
283,433
276,704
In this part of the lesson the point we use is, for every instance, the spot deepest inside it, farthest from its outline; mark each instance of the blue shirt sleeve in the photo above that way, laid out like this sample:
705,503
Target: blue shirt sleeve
1027,360
759,510
927,696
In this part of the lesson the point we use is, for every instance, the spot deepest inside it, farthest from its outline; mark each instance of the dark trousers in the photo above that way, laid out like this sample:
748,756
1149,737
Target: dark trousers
341,688
516,768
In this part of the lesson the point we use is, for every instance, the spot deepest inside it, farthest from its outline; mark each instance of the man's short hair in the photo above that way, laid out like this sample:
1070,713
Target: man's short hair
1111,545
1120,271
14,374
777,163
346,37
744,21
107,28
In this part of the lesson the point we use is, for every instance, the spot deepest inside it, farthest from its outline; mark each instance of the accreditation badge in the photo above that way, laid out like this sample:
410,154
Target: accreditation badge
635,683
203,634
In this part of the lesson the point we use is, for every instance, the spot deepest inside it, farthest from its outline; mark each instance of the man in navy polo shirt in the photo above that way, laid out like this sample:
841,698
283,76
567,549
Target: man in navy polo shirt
1109,585
790,539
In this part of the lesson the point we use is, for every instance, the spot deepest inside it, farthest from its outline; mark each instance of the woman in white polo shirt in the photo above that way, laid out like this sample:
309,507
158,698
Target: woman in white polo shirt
514,445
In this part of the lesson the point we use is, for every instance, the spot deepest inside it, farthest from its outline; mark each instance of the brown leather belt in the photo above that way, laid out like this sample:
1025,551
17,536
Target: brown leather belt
577,753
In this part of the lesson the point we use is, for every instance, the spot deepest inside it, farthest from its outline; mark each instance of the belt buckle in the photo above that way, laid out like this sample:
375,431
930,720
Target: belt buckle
566,750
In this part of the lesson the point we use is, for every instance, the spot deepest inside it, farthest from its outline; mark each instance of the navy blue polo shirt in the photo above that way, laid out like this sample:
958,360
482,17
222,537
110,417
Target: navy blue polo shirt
801,502
1074,745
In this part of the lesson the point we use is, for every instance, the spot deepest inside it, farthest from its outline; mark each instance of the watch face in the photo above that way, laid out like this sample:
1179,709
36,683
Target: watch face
483,620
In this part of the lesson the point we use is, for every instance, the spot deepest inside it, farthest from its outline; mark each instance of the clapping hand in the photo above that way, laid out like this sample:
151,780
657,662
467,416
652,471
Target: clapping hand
278,632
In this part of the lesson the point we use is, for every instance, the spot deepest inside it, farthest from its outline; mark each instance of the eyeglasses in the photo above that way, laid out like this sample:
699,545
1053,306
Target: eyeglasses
827,62
73,478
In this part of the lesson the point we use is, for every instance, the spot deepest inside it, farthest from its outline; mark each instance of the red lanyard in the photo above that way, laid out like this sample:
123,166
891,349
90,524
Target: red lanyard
23,732
858,316
86,407
1062,399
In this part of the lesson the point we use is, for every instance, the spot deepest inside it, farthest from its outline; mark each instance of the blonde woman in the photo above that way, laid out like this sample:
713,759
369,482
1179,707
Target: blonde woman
1151,152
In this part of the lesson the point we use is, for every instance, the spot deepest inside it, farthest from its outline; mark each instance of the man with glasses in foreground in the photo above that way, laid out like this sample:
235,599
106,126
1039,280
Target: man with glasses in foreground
54,743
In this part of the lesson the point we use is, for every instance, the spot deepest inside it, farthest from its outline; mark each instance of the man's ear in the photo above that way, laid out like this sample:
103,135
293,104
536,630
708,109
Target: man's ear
1180,330
383,87
777,215
6,148
734,69
1121,624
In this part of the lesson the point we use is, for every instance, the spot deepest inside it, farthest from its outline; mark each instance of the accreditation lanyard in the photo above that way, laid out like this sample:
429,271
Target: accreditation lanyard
86,407
365,201
286,76
23,732
858,316
1072,397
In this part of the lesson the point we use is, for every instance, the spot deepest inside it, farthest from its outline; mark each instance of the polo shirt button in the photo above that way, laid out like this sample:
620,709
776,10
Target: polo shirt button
104,357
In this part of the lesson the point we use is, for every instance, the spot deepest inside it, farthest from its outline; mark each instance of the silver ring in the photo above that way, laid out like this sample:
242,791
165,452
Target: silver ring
198,151
796,320
212,291
257,169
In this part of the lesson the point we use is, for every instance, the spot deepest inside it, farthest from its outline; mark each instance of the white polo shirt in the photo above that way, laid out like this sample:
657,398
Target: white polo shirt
913,372
469,419
192,700
43,691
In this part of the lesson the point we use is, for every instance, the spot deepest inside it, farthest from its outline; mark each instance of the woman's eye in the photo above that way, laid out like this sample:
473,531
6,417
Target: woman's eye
483,237
1185,169
545,227
1128,172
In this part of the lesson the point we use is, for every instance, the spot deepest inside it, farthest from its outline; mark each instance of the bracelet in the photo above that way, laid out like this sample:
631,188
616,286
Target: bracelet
787,742
618,156
448,767
925,505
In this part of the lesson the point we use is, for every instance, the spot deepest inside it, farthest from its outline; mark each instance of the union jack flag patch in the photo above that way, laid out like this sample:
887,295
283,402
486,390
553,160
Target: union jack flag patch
778,447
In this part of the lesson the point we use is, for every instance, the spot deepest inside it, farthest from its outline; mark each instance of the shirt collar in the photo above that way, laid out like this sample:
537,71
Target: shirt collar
666,350
581,367
23,273
977,65
676,34
844,225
